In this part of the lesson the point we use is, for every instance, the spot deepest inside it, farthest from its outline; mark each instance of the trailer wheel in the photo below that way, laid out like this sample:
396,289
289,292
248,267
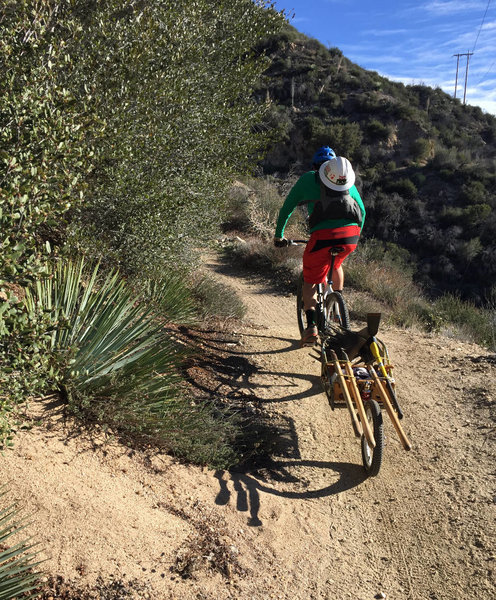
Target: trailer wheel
372,457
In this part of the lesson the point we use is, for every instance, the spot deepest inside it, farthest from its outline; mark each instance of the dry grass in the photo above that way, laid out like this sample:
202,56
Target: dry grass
208,547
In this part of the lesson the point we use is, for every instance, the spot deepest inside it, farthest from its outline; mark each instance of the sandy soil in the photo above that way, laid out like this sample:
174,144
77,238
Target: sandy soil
307,525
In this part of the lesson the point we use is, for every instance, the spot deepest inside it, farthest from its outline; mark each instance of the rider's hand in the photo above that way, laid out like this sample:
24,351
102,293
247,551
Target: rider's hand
280,242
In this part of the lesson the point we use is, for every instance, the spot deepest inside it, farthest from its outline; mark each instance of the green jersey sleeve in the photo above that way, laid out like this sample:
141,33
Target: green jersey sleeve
305,190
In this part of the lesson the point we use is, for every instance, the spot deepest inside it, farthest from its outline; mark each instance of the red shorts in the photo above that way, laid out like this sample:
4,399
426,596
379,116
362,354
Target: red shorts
316,258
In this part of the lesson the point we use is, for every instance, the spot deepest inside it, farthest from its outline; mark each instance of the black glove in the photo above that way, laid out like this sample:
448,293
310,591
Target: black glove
280,242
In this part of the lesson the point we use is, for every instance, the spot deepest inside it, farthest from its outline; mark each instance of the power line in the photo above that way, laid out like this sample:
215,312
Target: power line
468,55
480,28
485,74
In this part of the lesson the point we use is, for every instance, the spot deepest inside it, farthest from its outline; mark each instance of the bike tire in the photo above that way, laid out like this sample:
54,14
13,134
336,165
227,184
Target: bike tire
337,311
300,307
372,457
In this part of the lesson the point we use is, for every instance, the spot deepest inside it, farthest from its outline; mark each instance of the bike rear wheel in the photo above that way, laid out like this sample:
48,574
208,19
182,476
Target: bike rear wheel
336,310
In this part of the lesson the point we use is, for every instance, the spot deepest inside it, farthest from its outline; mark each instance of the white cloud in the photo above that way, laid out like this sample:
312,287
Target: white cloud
385,32
487,101
448,7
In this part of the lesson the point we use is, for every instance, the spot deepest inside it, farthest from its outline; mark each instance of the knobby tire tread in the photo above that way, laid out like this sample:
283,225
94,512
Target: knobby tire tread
300,312
374,467
337,298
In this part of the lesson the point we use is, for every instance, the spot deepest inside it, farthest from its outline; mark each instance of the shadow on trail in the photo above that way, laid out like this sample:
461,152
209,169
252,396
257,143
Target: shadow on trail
240,385
249,487
231,343
231,374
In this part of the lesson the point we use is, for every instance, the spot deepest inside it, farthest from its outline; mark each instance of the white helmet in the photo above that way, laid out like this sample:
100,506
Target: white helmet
337,174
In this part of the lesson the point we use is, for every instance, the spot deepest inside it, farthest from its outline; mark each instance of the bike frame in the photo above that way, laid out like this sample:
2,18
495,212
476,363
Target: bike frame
324,289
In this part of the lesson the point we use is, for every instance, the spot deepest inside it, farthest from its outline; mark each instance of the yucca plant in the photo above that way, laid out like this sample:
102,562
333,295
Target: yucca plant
17,562
116,364
101,335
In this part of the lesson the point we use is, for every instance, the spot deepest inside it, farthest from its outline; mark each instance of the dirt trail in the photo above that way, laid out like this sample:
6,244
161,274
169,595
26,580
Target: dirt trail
307,526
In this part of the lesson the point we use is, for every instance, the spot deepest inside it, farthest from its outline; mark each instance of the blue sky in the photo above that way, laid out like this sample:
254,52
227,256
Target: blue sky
408,41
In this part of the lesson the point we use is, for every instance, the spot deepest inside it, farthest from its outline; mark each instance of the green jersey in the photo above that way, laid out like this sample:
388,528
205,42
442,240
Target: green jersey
307,191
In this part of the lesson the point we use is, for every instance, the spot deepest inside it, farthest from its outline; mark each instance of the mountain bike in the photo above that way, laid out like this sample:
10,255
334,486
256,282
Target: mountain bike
331,306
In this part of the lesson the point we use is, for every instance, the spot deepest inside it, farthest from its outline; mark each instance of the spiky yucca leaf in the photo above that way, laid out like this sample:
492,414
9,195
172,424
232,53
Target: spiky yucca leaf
17,561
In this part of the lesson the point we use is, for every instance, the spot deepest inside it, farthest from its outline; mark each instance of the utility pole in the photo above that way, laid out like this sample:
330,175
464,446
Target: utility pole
468,55
456,79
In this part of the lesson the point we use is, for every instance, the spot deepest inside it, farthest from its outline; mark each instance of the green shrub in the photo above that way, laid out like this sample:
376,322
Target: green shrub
46,134
175,92
147,110
377,131
421,149
445,158
345,135
404,187
215,300
45,153
474,192
464,320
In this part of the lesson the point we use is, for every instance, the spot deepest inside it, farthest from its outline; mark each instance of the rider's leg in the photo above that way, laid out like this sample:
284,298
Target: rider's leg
310,301
338,279
310,335
310,295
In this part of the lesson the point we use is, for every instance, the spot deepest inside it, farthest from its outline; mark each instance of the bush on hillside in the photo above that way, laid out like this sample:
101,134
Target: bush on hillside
377,131
421,149
402,186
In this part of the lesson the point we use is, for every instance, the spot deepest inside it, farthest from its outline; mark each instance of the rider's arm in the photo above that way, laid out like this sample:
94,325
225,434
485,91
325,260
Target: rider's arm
302,192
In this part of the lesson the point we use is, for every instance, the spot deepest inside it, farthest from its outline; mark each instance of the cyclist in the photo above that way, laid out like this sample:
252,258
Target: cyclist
337,215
